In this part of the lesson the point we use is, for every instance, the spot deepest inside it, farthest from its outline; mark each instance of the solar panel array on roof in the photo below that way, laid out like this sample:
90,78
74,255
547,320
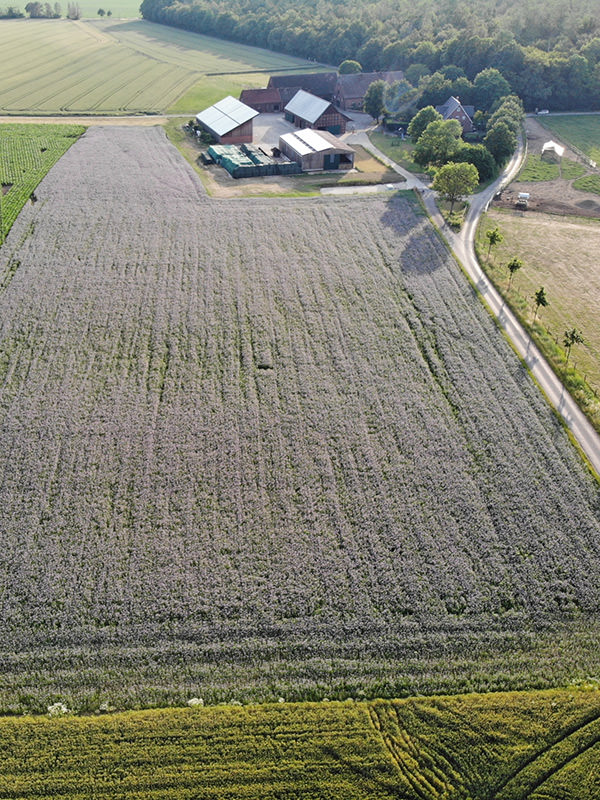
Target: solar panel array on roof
299,146
307,141
314,140
226,115
307,106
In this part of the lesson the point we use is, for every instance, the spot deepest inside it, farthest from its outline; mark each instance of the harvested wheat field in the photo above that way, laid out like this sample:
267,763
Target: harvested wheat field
262,448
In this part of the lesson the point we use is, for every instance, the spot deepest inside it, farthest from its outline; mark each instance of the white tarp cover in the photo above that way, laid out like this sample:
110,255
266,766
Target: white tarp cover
554,147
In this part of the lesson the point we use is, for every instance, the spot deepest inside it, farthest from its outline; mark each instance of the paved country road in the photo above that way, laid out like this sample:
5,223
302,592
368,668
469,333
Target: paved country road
462,246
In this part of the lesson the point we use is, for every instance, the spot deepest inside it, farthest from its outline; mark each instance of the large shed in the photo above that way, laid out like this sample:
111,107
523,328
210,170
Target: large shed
351,89
229,121
316,150
321,84
262,100
305,110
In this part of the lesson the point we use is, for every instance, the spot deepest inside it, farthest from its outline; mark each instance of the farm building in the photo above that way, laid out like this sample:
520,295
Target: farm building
305,110
351,89
316,150
321,84
551,151
262,100
229,121
454,109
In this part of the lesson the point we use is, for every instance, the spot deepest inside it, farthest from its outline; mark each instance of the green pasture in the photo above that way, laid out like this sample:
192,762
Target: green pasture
26,154
589,183
399,150
538,169
535,169
539,745
581,130
111,66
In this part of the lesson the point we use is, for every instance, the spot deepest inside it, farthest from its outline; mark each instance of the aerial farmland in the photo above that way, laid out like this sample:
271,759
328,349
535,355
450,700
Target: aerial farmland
265,449
122,67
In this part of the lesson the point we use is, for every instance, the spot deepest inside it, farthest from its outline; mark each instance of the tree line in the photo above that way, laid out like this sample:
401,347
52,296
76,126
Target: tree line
37,10
548,54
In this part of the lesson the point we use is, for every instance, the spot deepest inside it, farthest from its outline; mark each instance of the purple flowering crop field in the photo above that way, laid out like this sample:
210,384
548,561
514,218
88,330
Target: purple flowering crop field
262,448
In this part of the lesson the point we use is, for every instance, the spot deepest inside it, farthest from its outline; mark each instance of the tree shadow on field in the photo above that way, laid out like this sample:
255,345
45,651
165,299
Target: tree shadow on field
420,253
420,256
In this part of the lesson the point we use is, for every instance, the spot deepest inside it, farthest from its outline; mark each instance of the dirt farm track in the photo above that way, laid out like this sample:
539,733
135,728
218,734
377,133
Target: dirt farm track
82,120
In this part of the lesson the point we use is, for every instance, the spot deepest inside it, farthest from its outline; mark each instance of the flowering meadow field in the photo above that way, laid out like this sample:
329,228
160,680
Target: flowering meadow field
263,448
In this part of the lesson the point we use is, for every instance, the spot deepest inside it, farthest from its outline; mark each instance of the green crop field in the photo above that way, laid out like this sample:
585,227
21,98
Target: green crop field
26,154
535,745
581,130
112,66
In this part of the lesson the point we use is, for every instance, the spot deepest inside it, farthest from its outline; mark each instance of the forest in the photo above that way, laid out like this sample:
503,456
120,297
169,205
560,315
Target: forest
548,52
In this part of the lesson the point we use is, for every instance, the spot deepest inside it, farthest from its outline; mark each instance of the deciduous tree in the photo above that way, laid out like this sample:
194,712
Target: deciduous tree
572,337
513,266
489,86
500,141
349,67
421,120
455,181
540,300
480,157
438,142
373,102
494,237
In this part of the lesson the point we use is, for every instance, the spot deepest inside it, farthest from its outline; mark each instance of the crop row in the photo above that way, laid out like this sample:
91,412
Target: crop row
26,154
59,66
229,429
465,746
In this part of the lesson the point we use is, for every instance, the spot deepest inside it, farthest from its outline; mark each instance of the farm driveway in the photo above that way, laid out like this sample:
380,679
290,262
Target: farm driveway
269,127
83,120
